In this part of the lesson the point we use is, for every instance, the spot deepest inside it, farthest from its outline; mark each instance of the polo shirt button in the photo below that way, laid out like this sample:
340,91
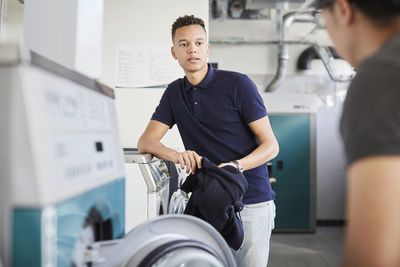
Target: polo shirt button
195,88
196,103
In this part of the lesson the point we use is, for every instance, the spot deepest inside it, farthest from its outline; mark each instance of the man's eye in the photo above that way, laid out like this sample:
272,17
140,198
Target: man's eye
199,43
182,44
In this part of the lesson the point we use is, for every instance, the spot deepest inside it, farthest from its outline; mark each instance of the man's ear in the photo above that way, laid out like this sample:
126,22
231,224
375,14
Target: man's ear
173,52
345,11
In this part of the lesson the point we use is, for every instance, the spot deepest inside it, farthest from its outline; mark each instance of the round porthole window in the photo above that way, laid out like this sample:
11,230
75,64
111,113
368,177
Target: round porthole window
188,257
182,253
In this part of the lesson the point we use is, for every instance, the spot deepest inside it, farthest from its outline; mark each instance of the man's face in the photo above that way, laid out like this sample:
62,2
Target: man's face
336,23
332,26
191,48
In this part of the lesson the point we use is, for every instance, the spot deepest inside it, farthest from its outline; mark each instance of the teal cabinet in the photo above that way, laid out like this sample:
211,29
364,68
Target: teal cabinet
294,170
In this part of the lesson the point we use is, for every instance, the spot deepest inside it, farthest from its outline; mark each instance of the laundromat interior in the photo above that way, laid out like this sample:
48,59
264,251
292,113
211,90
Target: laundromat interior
79,82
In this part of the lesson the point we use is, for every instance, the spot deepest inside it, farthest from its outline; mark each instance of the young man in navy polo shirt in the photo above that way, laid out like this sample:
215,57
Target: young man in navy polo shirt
220,115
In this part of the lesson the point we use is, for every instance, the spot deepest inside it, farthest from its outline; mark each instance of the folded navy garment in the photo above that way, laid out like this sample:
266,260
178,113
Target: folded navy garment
217,199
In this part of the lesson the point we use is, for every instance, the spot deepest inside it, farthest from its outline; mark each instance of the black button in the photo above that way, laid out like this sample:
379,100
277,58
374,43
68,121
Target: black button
99,146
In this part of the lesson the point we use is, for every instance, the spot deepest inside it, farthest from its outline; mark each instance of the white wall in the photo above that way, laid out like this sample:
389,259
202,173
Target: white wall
331,183
141,22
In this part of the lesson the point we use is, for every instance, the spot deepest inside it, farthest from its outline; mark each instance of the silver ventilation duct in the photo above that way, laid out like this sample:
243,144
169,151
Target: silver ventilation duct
283,51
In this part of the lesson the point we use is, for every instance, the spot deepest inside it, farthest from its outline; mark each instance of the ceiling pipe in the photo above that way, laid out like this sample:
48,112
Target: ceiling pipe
327,55
283,50
308,55
328,58
283,58
283,53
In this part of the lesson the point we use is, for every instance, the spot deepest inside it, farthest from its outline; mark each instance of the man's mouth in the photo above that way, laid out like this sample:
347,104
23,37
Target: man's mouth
193,59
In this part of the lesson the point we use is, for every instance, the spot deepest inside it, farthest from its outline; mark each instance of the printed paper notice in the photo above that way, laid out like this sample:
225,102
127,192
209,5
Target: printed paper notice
146,66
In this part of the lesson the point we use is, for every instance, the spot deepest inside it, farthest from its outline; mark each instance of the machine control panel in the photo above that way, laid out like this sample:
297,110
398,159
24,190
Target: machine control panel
83,142
155,171
71,134
160,172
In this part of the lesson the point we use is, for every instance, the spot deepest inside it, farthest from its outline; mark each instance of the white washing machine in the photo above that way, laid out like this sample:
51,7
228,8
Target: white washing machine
167,241
62,178
147,188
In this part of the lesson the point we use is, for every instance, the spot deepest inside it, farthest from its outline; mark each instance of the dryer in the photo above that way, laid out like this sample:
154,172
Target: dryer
62,177
166,241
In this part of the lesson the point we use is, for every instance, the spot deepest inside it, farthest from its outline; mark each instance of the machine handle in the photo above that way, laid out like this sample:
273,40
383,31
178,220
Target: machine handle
279,164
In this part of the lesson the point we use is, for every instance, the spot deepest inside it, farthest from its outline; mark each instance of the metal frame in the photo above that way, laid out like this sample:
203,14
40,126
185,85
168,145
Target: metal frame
313,171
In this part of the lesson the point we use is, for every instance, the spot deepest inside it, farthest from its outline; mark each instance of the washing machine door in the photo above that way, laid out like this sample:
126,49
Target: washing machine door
169,241
187,257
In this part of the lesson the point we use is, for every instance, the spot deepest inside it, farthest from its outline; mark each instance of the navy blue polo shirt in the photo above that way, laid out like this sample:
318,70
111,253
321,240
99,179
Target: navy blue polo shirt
212,119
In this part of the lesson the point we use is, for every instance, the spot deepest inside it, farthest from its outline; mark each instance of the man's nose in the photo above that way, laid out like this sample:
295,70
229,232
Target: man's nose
192,49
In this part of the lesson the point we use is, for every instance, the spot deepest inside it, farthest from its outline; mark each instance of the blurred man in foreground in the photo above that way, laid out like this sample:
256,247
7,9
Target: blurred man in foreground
366,33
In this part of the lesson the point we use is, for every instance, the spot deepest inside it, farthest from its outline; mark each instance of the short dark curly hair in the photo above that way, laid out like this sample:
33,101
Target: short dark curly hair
186,21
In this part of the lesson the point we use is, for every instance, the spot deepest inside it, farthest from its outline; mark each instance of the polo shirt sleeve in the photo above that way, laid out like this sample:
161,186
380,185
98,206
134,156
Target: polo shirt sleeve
250,104
163,112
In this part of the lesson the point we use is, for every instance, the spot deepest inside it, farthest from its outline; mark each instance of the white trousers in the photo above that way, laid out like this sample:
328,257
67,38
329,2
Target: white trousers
258,222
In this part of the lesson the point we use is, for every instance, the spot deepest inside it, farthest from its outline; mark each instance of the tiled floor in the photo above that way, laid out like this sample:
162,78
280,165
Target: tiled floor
322,249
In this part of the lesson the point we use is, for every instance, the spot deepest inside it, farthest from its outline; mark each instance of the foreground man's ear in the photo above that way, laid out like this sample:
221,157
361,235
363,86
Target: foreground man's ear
345,11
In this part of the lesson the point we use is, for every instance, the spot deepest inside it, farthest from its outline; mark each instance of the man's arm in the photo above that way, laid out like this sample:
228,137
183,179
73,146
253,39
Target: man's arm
150,142
373,212
267,145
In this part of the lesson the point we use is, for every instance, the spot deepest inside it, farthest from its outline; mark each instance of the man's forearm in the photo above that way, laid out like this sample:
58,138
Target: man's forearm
263,153
373,229
156,148
187,159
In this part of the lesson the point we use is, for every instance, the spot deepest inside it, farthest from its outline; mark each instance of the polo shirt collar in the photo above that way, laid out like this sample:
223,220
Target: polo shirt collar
205,82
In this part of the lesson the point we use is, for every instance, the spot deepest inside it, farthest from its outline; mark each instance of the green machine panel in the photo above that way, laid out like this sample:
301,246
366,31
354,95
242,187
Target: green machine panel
294,170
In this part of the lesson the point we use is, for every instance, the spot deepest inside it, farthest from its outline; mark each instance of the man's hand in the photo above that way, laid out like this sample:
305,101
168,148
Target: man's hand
189,159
